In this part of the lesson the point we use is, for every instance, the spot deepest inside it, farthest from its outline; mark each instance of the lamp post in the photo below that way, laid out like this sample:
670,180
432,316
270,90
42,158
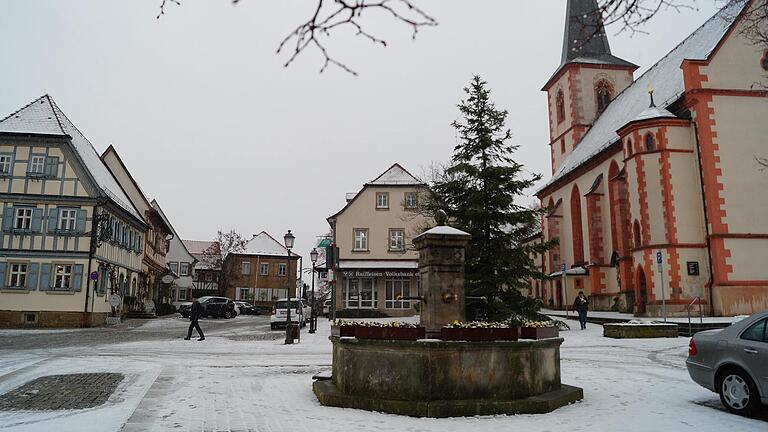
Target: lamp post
313,315
288,238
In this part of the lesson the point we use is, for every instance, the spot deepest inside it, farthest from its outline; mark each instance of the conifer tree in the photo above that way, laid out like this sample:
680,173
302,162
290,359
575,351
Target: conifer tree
481,191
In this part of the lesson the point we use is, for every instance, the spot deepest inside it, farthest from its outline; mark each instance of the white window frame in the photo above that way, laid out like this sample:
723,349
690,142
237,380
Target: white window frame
183,269
264,269
411,202
246,267
67,219
282,269
393,236
174,266
62,279
360,238
240,292
23,215
393,288
6,164
382,200
17,275
354,291
35,162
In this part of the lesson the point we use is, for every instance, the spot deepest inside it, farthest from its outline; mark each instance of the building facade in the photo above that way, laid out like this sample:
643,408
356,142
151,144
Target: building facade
377,272
150,293
207,270
262,273
654,182
70,236
181,264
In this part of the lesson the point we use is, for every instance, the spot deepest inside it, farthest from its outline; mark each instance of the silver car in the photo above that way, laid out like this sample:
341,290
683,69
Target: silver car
733,362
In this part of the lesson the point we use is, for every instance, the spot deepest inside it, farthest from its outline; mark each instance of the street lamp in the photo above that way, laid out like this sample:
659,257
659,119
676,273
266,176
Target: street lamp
288,238
313,315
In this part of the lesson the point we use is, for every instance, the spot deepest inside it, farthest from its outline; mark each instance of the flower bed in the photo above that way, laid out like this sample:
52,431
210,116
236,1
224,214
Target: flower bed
479,334
393,330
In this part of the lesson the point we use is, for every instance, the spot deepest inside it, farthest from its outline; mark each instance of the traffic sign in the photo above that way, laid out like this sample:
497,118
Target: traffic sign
562,268
659,259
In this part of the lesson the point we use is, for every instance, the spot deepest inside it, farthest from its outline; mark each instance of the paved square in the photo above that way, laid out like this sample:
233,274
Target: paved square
62,392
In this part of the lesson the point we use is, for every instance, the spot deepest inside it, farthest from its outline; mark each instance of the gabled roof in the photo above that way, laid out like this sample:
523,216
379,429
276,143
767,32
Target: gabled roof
197,247
395,175
665,77
160,211
265,245
43,117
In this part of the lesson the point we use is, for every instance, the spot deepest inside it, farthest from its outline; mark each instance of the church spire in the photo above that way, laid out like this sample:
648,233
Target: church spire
584,32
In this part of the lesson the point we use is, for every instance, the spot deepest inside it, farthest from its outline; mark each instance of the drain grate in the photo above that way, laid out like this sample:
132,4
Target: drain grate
62,392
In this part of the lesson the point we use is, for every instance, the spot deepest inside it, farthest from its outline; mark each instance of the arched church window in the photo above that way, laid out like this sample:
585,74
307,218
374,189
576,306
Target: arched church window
636,234
560,106
603,95
650,144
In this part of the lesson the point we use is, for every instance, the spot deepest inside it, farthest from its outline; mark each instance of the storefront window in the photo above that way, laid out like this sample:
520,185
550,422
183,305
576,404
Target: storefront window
398,288
359,294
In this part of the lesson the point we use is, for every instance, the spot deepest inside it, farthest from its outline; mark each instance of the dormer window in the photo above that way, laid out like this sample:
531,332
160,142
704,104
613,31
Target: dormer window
603,93
560,106
650,143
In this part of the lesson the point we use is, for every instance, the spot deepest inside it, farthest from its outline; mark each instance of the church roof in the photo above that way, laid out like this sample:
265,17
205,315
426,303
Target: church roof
43,117
665,77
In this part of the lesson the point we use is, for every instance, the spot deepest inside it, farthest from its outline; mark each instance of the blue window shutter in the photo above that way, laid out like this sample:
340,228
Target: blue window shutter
32,276
80,221
77,277
8,218
45,277
3,282
52,166
37,219
53,219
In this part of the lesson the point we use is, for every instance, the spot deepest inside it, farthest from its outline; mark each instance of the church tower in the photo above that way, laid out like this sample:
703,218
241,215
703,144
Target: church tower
586,81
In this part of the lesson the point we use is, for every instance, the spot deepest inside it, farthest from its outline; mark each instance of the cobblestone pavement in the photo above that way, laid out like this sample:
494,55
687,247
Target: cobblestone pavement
62,392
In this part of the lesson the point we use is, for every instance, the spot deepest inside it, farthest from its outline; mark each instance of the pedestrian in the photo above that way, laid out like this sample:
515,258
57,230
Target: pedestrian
194,314
581,304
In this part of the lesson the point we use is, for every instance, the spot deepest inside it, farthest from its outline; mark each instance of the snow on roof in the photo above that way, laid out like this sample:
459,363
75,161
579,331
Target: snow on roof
197,247
665,77
382,264
653,112
43,116
350,196
395,175
264,244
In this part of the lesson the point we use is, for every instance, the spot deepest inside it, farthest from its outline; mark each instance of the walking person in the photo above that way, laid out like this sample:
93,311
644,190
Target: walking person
194,314
581,304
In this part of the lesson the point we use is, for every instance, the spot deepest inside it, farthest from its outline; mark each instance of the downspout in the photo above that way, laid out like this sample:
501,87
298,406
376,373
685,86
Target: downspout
91,253
706,219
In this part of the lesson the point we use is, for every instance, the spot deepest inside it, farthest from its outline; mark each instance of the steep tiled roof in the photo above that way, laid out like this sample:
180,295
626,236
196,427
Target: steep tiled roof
197,247
665,77
43,117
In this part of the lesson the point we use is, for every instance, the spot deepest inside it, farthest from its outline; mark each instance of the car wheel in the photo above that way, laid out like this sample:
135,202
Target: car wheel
272,326
227,314
738,392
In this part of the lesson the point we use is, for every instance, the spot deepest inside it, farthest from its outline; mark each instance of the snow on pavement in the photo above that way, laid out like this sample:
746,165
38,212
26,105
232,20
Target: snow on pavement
226,385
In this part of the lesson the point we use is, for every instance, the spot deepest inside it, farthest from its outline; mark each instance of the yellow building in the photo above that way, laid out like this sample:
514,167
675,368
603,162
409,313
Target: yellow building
655,194
377,263
69,233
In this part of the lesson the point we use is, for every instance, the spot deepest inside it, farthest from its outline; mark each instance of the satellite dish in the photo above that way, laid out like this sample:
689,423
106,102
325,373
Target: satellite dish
167,279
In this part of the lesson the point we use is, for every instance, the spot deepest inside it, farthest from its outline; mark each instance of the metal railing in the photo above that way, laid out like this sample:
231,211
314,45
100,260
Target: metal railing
701,314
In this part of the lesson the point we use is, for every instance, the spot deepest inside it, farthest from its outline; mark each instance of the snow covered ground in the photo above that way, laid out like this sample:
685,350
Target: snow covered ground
226,383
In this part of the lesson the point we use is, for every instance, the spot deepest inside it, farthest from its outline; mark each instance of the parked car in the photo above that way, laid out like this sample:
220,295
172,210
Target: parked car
733,362
300,313
184,309
326,308
245,308
221,307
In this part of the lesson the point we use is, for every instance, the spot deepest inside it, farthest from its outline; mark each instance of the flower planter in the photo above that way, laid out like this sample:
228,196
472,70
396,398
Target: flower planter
479,334
539,332
390,333
343,331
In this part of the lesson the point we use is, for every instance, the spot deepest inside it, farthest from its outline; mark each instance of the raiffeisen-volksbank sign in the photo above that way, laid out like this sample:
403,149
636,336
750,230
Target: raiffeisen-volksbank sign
380,273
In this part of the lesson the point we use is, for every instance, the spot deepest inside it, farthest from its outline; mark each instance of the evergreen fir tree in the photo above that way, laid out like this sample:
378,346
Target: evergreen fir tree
481,192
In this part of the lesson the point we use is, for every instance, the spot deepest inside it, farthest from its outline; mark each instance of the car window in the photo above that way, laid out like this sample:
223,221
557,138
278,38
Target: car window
283,304
756,332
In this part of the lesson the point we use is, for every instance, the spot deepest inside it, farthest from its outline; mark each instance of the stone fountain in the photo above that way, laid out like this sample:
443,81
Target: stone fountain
436,378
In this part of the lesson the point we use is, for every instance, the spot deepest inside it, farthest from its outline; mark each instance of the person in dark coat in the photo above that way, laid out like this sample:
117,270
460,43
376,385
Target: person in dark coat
194,314
581,304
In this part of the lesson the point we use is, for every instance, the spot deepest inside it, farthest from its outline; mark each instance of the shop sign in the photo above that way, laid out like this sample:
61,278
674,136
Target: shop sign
380,273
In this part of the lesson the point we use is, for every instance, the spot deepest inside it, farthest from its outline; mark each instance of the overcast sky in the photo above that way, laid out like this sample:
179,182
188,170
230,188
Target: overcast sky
212,126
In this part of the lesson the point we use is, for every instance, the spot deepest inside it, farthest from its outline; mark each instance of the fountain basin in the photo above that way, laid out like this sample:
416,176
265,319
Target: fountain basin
435,378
